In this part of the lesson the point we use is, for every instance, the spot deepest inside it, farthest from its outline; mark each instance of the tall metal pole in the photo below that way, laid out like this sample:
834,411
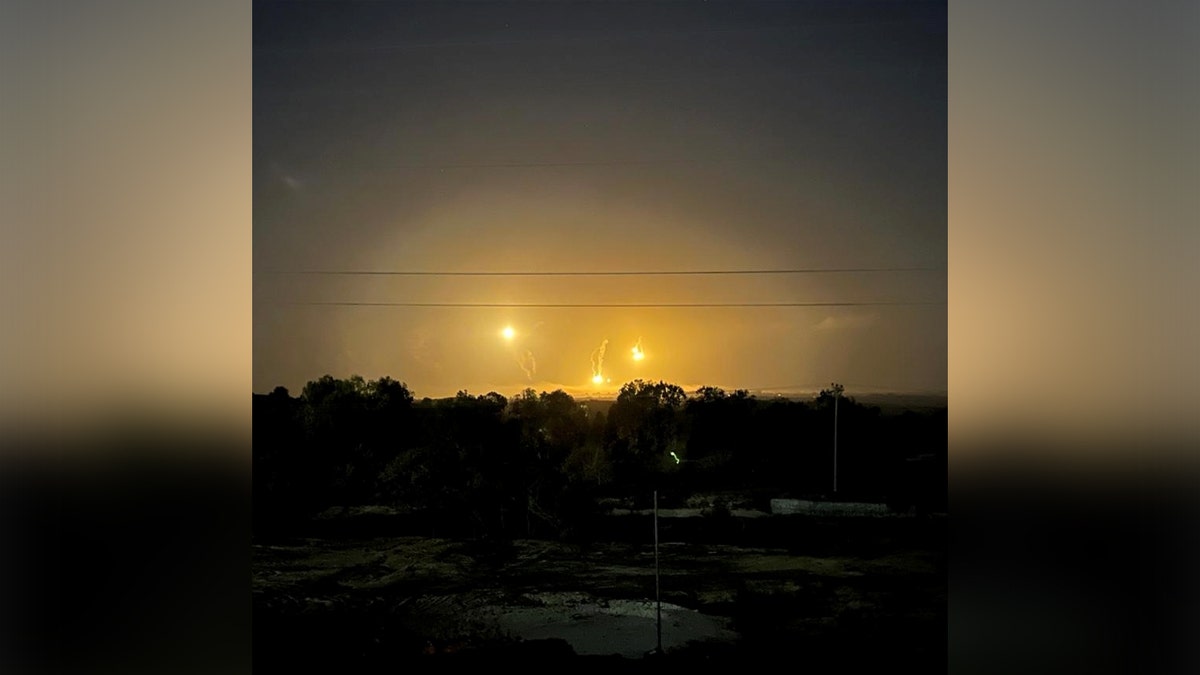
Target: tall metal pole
657,595
837,395
835,412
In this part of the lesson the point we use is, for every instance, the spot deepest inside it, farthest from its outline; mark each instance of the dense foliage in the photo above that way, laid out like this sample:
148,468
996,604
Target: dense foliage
532,464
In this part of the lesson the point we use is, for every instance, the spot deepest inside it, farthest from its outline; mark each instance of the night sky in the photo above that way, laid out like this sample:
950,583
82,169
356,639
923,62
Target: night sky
601,137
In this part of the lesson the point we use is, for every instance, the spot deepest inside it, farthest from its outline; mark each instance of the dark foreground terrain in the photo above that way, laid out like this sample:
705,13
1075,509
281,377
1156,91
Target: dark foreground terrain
818,594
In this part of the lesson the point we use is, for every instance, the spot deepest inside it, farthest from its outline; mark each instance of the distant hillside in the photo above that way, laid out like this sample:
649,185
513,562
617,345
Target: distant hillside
898,403
888,404
596,405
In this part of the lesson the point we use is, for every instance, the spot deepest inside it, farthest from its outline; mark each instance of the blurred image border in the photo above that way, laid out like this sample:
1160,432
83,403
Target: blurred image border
1073,374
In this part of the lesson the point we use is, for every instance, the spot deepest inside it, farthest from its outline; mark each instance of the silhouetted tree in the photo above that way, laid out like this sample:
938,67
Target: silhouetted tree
719,426
644,427
551,426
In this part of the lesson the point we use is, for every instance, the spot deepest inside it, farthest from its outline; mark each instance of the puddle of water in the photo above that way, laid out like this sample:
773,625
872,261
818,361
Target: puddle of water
627,629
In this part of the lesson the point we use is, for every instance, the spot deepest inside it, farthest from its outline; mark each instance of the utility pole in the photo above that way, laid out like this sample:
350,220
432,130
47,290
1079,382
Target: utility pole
837,394
657,595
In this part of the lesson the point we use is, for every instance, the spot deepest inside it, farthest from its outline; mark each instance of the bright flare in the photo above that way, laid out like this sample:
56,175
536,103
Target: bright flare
638,354
598,362
508,333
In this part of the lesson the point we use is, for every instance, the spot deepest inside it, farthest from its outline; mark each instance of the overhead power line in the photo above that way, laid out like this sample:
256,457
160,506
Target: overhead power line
603,273
517,305
595,162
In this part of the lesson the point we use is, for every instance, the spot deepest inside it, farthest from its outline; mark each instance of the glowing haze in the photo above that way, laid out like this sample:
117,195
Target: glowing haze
613,137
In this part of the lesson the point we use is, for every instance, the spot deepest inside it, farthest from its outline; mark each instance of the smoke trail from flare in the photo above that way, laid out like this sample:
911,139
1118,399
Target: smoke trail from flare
598,362
528,364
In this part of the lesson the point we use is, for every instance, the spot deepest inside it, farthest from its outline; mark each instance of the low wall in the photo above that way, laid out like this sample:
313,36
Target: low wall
811,508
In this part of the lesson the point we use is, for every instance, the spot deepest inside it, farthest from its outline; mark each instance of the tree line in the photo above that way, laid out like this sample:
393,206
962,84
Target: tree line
535,463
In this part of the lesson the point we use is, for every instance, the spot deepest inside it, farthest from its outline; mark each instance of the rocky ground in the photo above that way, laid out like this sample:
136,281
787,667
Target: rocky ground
834,595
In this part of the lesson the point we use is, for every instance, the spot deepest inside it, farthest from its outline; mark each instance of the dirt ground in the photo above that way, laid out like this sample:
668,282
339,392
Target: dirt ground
840,596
